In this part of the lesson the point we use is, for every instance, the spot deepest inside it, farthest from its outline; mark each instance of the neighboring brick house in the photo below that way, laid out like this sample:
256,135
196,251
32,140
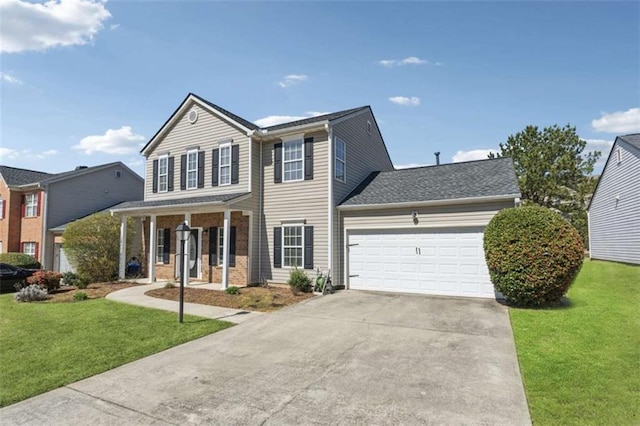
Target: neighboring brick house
315,193
35,206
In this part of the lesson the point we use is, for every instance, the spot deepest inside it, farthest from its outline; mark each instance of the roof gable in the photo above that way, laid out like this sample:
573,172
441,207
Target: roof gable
455,181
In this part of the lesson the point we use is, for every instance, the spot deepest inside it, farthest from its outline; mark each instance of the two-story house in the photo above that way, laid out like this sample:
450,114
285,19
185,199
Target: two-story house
35,206
315,193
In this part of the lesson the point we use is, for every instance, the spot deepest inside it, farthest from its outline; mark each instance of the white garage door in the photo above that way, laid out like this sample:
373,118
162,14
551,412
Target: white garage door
443,261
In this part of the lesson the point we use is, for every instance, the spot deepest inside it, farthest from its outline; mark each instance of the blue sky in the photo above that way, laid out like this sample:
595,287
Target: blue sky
87,82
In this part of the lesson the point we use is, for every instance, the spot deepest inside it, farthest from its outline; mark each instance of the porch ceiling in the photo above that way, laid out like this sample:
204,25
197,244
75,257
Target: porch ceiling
207,203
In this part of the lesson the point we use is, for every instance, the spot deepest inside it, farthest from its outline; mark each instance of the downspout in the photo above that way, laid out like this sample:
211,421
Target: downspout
43,239
260,215
330,198
589,232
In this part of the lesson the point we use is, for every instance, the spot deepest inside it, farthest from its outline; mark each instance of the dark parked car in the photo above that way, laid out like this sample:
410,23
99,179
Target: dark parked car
11,275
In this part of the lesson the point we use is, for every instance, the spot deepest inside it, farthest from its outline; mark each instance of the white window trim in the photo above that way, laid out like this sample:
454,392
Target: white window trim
33,205
336,160
293,225
195,170
32,244
287,141
220,245
224,146
159,252
166,174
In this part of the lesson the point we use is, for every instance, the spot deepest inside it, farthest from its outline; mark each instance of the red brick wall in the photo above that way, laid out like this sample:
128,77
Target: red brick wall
15,229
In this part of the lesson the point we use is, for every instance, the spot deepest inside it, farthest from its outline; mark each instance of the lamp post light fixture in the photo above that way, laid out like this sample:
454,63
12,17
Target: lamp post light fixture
182,234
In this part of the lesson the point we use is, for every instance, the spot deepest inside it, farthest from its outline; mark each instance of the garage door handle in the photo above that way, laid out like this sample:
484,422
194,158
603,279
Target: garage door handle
355,244
352,276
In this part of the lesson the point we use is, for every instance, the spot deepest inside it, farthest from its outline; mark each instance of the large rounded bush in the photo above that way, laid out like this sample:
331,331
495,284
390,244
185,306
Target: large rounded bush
20,260
533,255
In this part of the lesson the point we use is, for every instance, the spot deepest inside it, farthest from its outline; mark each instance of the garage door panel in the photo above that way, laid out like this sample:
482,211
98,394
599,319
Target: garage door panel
447,262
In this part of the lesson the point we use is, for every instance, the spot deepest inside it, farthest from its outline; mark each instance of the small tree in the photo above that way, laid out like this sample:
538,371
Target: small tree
92,245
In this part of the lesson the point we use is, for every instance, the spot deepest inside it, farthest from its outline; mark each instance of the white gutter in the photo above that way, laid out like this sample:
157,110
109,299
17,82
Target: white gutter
43,244
329,130
320,125
428,203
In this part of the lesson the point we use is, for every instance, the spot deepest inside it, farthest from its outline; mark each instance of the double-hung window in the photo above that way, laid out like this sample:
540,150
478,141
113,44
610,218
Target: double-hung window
31,205
160,246
292,245
225,164
293,160
192,169
341,160
163,169
220,245
29,248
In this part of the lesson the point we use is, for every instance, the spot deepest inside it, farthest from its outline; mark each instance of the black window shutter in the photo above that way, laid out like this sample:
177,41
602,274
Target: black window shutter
308,247
213,246
308,158
277,247
183,172
170,174
214,168
277,163
200,169
167,245
155,176
232,246
235,163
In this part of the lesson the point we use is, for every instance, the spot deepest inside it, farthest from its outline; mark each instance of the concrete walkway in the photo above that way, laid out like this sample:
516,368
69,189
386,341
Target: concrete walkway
136,296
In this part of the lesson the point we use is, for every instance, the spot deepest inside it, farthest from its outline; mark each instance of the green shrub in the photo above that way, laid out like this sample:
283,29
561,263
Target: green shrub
31,293
80,296
20,260
48,280
299,281
169,285
533,255
232,290
73,279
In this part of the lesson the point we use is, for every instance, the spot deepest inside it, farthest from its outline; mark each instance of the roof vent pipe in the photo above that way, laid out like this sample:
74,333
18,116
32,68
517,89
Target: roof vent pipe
437,158
81,167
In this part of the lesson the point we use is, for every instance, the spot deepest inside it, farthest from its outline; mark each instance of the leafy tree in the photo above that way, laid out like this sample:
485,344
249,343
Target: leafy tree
552,170
92,245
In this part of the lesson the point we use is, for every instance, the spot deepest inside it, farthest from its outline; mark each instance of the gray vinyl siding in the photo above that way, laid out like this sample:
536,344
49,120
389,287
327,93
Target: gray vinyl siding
79,196
364,154
205,134
614,227
306,200
453,216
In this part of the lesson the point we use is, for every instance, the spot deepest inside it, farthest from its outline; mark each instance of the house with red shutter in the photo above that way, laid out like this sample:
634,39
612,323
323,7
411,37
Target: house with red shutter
35,206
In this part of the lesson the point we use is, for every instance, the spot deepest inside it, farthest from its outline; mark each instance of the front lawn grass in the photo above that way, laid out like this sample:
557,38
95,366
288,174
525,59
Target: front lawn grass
47,345
581,364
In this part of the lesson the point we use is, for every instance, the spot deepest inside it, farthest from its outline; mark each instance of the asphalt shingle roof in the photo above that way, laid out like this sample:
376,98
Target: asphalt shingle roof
483,178
141,204
16,177
237,118
328,117
633,139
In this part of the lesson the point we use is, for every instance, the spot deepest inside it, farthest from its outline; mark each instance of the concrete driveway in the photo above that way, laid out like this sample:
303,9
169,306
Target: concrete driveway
349,358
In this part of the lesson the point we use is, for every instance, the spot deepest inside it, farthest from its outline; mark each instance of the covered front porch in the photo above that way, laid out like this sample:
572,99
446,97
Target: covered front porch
218,248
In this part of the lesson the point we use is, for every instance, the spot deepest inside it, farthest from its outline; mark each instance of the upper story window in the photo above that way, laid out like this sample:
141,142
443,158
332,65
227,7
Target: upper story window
192,169
341,160
225,164
31,205
163,173
619,155
293,160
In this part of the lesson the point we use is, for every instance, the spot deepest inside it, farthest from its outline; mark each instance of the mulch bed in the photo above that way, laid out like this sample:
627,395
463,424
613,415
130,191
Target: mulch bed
263,299
94,291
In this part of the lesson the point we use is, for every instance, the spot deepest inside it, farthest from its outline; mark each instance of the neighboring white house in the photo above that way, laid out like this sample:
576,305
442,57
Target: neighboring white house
614,210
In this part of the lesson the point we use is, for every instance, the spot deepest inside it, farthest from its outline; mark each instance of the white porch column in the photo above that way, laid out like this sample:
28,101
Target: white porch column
153,244
225,249
123,247
184,257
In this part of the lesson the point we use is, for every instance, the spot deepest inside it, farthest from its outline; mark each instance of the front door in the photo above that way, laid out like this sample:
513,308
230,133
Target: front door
193,254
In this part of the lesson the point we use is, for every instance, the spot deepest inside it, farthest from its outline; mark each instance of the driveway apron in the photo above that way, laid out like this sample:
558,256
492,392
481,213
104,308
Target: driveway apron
348,358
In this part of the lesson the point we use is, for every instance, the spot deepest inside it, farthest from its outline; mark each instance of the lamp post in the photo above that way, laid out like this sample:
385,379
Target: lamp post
182,234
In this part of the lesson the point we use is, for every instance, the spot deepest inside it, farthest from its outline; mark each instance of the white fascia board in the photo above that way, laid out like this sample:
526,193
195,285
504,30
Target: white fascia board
281,133
174,118
454,201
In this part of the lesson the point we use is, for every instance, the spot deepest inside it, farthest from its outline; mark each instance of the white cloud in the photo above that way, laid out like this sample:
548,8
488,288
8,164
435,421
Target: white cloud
410,60
120,141
47,153
292,79
618,122
8,153
273,120
10,78
474,154
12,154
40,26
602,145
411,165
114,26
403,100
